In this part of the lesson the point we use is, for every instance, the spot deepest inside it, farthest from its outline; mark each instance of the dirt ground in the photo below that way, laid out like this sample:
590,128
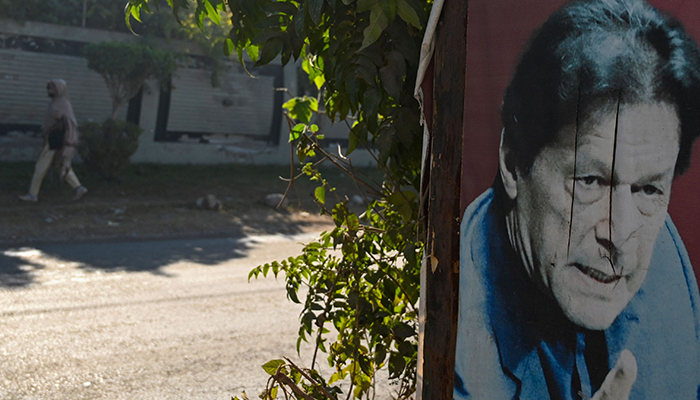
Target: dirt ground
157,201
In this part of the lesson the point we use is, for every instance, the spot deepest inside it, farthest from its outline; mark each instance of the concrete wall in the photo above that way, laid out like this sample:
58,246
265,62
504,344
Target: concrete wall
232,123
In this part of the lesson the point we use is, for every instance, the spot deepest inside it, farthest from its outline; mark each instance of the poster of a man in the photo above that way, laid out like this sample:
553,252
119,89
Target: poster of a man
574,281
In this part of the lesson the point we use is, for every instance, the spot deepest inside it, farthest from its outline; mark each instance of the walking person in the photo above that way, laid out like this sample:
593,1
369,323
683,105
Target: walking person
60,140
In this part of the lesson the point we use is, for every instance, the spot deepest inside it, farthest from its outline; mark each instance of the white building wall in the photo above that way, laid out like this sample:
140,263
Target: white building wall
196,106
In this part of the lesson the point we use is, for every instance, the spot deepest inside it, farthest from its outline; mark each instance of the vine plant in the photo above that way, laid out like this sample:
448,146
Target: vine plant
360,279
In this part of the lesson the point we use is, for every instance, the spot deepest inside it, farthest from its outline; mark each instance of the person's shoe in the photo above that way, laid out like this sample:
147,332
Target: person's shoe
29,197
80,192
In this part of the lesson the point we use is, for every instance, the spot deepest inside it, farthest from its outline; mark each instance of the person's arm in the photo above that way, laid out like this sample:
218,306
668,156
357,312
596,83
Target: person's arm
58,124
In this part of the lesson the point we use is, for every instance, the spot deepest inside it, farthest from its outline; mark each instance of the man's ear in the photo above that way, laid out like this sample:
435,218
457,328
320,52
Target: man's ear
508,174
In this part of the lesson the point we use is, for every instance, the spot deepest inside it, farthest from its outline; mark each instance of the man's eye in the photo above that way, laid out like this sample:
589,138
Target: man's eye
590,180
649,190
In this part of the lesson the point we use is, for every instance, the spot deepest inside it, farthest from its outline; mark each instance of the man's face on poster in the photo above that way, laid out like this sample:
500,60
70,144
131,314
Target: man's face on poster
588,213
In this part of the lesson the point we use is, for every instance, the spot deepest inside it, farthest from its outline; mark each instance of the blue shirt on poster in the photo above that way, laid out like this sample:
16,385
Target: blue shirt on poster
514,342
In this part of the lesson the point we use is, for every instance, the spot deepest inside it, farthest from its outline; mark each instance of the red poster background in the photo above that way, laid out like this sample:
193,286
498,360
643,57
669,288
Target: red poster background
498,31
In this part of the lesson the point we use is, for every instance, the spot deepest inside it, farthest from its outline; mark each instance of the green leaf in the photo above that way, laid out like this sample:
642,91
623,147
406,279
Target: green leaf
391,9
408,13
287,50
270,22
212,13
320,194
337,376
353,222
370,104
293,296
391,80
378,21
365,5
385,143
396,365
136,13
253,52
299,21
406,349
358,134
315,71
127,16
315,7
301,108
319,80
396,198
228,47
296,132
397,60
403,330
352,87
295,375
271,366
380,355
270,50
265,35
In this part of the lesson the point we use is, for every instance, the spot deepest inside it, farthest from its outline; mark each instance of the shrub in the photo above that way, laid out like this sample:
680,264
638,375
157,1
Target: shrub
106,148
125,67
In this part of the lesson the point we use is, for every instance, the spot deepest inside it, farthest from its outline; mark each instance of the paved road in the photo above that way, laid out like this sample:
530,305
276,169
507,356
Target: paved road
148,320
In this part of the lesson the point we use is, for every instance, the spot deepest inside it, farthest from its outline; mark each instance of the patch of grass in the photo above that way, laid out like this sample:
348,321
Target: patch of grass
15,177
180,182
155,200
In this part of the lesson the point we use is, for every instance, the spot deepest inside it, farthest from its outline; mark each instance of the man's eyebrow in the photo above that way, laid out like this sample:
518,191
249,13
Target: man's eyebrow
658,176
586,163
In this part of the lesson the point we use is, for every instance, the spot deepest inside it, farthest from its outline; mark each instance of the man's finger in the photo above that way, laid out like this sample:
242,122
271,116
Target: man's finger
618,383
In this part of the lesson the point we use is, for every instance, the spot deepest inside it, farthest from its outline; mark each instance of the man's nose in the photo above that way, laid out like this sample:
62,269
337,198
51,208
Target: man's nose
620,220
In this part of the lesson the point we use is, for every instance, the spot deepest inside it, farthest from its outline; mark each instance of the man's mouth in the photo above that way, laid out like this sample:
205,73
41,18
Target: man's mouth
597,274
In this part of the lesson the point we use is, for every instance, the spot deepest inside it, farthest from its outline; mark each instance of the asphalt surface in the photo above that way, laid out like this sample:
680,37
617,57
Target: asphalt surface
174,319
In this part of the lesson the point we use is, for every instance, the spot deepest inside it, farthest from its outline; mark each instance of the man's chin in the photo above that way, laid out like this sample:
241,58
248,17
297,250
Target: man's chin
590,302
594,314
593,319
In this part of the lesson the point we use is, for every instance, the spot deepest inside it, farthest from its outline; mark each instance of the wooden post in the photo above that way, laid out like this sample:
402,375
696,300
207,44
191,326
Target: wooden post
445,163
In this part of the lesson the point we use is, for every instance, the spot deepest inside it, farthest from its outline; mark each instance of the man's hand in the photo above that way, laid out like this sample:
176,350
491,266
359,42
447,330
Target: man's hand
618,383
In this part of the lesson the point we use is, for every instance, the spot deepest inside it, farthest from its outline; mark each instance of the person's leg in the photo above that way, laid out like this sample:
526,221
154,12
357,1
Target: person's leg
42,166
73,181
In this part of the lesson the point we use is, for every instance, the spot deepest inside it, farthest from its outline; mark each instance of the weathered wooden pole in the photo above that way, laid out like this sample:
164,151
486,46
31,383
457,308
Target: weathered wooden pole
445,163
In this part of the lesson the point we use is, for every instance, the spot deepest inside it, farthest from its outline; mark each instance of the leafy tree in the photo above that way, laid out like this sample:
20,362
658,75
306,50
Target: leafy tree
362,56
125,67
106,148
64,12
100,14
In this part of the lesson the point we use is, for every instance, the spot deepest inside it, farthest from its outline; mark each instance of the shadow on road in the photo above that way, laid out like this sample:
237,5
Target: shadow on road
14,271
17,265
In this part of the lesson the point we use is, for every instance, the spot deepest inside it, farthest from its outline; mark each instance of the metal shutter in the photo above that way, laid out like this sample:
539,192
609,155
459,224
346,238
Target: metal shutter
23,78
197,107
